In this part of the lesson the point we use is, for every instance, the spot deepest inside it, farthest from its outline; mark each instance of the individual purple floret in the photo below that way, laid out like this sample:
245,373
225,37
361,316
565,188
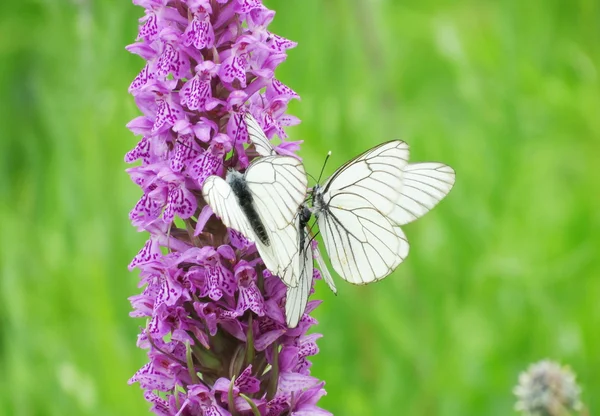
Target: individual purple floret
216,335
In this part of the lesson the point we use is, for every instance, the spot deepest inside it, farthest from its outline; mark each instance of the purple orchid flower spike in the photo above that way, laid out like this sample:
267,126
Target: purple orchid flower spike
216,334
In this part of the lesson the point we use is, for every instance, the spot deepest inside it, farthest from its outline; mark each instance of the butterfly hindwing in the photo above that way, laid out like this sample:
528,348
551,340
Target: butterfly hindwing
423,186
221,198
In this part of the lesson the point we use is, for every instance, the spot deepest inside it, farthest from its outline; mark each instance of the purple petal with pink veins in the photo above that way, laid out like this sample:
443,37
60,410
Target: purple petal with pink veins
238,240
243,161
145,211
149,30
199,32
141,79
209,313
288,358
200,333
289,149
303,366
242,405
158,326
150,252
222,386
260,16
266,339
236,100
182,336
140,125
211,288
292,382
159,405
234,327
169,292
280,131
172,14
167,114
177,163
246,382
184,154
234,67
203,218
216,411
140,151
304,402
226,280
195,93
142,49
245,6
172,61
277,406
280,44
236,128
146,101
204,166
308,346
142,305
270,62
227,253
154,376
181,202
288,120
203,129
250,298
277,89
268,124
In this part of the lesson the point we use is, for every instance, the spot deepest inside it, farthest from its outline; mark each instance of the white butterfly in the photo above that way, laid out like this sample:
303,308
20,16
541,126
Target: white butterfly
359,210
262,204
360,207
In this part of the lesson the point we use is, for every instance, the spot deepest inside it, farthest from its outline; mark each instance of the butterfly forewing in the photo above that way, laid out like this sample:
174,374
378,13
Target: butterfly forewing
283,248
221,198
280,182
375,175
255,132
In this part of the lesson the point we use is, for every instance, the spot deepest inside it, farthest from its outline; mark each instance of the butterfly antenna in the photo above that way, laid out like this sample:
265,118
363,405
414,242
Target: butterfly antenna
237,134
169,238
313,237
324,164
231,160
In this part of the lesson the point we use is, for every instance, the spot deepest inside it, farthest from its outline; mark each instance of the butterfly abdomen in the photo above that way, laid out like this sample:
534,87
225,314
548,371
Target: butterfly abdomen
246,201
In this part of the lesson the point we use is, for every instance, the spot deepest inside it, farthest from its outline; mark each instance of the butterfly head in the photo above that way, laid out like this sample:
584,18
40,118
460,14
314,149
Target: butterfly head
305,214
233,176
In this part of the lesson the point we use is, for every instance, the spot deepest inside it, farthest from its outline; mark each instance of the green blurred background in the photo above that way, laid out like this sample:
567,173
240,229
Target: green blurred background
504,272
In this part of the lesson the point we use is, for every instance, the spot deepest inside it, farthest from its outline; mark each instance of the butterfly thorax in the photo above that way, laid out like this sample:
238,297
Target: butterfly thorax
245,200
318,202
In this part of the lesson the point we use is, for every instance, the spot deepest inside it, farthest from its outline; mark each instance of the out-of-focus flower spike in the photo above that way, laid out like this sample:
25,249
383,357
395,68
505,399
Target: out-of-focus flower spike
547,389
